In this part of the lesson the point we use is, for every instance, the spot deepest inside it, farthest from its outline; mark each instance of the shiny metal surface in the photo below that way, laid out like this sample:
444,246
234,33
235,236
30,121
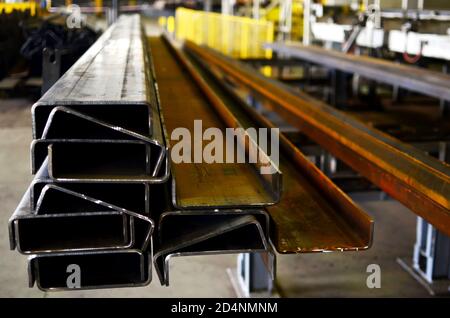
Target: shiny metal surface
104,106
110,82
216,184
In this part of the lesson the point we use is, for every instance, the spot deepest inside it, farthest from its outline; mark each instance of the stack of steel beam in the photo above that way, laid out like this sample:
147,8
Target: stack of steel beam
311,214
216,208
100,156
98,148
101,163
405,173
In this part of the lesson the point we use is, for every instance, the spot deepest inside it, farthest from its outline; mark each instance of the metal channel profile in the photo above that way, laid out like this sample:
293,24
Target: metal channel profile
198,184
415,79
62,220
313,215
184,221
100,122
52,232
184,233
103,269
126,196
420,182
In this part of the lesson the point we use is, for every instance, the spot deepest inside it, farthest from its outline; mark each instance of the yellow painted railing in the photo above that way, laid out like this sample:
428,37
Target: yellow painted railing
239,37
20,6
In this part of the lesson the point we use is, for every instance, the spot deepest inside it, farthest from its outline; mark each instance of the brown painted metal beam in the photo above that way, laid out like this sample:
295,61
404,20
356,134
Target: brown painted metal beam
419,181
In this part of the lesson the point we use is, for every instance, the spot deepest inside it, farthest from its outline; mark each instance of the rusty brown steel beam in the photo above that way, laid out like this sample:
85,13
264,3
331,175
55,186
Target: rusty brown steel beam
313,215
201,184
419,181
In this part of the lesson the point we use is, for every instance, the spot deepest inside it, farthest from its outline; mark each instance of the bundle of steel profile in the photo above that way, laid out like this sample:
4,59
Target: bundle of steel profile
98,149
212,208
311,215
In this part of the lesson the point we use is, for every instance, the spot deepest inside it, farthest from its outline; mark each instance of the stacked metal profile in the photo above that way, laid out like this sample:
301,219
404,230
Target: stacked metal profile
98,147
101,166
216,208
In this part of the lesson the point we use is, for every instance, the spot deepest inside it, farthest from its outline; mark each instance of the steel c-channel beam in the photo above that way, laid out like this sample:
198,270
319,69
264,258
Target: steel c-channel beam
419,181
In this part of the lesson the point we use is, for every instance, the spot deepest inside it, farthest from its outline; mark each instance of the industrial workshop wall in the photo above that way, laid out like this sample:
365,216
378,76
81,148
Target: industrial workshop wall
239,37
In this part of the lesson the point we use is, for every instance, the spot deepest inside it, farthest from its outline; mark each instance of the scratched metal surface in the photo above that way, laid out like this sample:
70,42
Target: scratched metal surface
420,182
200,184
313,215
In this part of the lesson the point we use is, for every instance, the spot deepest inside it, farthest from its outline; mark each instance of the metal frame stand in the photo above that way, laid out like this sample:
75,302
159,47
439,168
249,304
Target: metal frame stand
431,253
254,275
445,104
431,259
52,67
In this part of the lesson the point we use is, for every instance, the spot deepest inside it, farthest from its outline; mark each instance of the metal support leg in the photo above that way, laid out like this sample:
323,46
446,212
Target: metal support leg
445,104
207,5
254,275
432,249
52,67
115,10
431,253
431,258
339,94
397,92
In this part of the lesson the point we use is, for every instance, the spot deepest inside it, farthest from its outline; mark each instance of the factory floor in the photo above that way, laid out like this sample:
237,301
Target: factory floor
308,275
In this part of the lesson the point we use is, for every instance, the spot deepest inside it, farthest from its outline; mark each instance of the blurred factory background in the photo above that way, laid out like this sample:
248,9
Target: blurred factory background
360,87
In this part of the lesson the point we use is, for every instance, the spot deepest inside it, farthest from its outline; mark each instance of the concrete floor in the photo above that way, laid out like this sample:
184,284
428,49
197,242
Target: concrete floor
308,275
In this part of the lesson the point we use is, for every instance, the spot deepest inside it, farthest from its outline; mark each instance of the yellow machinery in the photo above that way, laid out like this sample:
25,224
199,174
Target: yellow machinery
272,13
239,37
20,6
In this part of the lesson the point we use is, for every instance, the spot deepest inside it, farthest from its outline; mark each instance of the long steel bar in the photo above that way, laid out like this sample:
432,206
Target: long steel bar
86,224
420,182
174,223
105,269
61,217
423,81
226,234
128,196
109,82
63,126
313,215
201,184
63,232
105,106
